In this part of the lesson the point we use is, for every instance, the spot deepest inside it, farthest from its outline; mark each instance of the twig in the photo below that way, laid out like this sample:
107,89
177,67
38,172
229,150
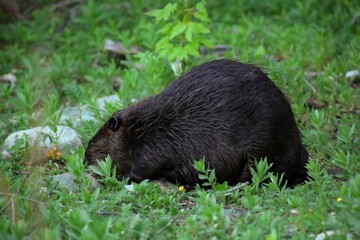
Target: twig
13,195
12,210
168,224
66,3
31,8
105,213
237,187
310,85
5,205
56,5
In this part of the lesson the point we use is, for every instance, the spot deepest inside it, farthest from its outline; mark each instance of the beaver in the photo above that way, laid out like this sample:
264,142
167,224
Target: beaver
228,113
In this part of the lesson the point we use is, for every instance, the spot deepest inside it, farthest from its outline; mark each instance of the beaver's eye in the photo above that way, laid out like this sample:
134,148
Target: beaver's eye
92,144
114,124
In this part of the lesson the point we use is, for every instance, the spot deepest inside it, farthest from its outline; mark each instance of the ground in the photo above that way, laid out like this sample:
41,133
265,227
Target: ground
56,51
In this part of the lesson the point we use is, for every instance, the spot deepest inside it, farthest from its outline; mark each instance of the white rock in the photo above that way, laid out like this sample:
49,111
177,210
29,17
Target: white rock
311,75
10,78
323,235
76,115
352,73
294,211
130,188
177,67
329,234
67,181
113,46
64,138
114,99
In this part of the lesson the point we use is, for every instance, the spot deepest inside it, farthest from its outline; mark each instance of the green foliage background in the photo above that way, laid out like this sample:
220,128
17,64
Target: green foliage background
58,59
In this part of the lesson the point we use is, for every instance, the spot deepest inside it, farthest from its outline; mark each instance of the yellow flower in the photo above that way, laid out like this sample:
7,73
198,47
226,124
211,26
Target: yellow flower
339,199
53,153
181,188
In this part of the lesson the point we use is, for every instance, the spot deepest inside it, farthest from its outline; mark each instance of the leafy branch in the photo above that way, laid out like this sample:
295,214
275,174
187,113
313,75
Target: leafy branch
183,32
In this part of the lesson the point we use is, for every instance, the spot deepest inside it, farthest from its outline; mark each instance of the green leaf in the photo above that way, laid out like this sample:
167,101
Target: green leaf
212,176
222,186
198,165
179,28
190,49
96,170
260,51
165,13
201,17
163,44
114,172
202,177
167,28
21,96
177,53
201,13
157,13
201,8
189,31
199,28
193,48
206,42
170,8
182,55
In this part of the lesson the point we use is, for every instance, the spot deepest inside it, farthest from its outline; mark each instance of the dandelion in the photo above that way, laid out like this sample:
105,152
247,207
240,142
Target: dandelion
339,199
181,188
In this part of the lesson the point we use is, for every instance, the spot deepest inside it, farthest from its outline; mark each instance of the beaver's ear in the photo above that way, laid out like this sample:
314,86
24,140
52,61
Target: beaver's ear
114,123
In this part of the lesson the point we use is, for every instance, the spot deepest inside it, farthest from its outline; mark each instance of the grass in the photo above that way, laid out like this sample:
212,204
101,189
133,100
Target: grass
58,59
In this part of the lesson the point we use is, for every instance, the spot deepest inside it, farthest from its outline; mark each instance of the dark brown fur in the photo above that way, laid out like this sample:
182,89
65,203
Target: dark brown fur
227,112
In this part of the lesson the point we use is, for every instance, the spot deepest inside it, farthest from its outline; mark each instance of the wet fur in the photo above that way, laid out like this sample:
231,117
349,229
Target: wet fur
227,112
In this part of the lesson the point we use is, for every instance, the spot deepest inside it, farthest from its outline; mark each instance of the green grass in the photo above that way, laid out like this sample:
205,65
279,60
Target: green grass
54,64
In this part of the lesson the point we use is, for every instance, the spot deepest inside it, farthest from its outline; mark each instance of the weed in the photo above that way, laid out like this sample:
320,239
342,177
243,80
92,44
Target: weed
106,171
58,60
208,176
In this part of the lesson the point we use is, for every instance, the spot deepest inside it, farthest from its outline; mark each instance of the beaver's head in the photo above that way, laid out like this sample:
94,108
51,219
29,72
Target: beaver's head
109,141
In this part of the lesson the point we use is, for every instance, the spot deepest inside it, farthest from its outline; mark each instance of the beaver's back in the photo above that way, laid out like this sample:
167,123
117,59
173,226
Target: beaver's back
225,111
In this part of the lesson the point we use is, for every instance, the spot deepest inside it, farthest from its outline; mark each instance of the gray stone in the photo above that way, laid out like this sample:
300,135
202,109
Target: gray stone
67,180
116,47
113,99
8,78
129,187
235,212
309,75
330,234
76,115
65,138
